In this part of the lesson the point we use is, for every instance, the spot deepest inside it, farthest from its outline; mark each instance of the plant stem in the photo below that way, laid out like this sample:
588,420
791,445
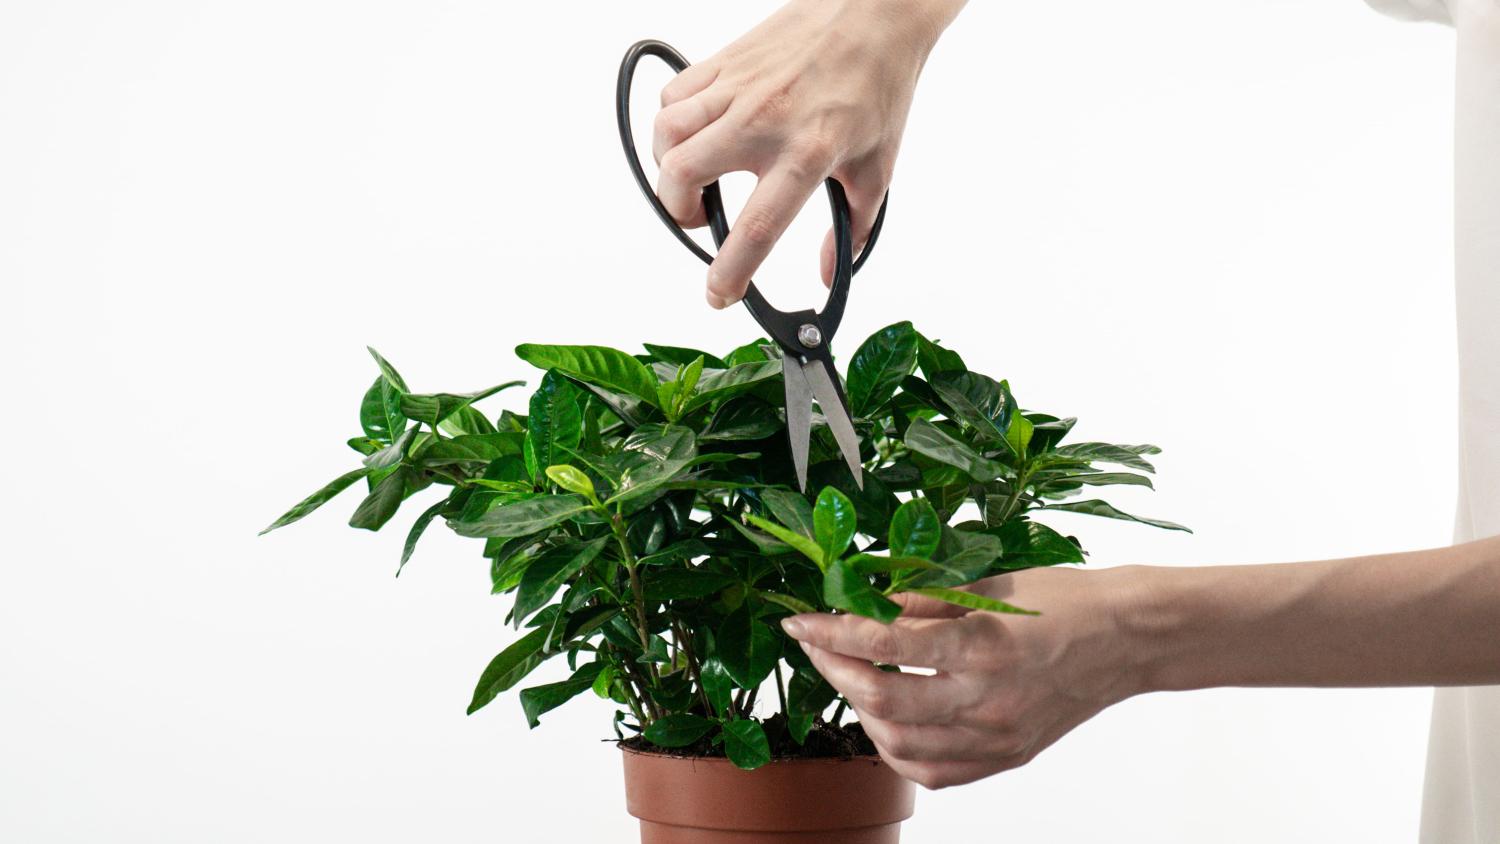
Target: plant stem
638,595
781,691
1023,477
685,641
838,713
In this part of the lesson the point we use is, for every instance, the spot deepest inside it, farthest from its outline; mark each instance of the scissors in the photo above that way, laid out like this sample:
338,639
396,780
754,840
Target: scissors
804,336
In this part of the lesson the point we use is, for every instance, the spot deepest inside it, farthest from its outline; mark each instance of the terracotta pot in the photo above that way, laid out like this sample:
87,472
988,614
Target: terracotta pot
682,800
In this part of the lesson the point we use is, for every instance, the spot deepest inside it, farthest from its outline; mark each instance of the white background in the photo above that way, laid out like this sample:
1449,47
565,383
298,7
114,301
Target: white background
1218,226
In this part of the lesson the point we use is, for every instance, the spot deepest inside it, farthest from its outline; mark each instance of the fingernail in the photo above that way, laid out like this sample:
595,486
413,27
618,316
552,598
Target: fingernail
793,626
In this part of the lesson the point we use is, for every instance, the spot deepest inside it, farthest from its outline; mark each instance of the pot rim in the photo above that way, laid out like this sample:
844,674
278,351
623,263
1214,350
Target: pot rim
784,760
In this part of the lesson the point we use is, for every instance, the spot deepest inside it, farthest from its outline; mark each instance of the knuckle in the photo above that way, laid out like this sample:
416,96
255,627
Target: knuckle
668,125
757,226
876,701
885,646
674,166
810,157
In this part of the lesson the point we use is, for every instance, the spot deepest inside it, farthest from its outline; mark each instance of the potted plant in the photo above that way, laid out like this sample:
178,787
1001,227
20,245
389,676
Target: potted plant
644,515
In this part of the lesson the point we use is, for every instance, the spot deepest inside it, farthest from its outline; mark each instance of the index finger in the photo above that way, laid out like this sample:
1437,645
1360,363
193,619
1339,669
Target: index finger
919,642
777,198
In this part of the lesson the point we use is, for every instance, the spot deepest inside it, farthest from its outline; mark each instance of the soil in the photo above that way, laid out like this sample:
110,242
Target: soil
824,741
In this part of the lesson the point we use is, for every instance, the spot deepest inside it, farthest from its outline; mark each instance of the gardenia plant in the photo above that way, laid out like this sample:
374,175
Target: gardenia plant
645,516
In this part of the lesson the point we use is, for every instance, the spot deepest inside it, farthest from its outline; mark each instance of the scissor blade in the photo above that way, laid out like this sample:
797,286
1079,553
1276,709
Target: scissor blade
837,414
799,397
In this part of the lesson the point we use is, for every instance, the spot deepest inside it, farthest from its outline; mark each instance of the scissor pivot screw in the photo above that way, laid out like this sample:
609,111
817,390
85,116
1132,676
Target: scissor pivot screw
809,336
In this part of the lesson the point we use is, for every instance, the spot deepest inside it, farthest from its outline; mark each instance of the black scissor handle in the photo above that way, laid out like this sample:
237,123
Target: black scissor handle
782,326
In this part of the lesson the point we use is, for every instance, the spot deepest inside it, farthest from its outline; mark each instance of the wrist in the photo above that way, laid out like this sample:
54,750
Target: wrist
1148,617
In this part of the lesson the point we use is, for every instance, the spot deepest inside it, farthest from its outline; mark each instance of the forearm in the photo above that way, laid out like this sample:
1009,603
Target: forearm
1413,619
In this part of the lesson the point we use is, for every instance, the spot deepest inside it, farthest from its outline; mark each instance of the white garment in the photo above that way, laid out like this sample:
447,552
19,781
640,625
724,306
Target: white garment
1461,800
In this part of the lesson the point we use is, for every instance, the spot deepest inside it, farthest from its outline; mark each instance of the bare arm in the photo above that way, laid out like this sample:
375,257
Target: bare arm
1007,687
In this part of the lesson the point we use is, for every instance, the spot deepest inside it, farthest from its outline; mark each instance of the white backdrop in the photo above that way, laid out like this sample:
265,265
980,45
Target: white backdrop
1218,226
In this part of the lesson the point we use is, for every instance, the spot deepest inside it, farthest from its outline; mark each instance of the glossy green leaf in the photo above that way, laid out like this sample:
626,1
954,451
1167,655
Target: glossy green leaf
674,584
970,600
743,418
745,744
792,539
682,357
808,693
678,729
1029,544
650,457
317,499
978,401
791,603
382,502
1103,509
719,384
845,588
791,509
833,523
380,411
718,686
1100,479
753,352
538,700
387,371
549,571
878,367
472,448
915,530
609,368
393,453
554,423
524,517
571,479
433,408
747,647
508,668
934,360
417,529
1128,456
929,440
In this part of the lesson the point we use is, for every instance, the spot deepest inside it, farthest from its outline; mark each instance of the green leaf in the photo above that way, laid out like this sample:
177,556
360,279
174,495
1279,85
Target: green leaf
1128,456
554,423
609,368
933,359
767,544
524,517
845,588
471,448
746,745
879,365
791,538
417,528
1018,435
649,457
747,648
790,509
1029,544
541,699
682,357
929,440
833,524
799,726
717,684
915,530
970,600
382,502
393,453
387,371
793,604
679,729
380,411
979,401
1103,509
743,418
509,667
572,479
720,384
1097,479
435,407
317,499
549,571
808,693
753,352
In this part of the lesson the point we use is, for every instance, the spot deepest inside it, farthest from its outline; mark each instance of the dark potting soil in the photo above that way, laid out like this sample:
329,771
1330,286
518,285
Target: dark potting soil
824,741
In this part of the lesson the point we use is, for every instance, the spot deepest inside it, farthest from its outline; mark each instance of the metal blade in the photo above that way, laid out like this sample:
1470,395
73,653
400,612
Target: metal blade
798,415
837,414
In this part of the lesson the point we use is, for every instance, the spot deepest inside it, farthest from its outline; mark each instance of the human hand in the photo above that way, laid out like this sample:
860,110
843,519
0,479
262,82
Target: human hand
820,88
1006,686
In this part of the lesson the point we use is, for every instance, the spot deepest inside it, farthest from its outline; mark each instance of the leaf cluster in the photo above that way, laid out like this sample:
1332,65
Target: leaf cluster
643,514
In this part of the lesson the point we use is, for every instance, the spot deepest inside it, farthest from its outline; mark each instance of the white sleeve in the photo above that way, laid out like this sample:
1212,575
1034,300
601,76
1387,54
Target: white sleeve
1414,10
